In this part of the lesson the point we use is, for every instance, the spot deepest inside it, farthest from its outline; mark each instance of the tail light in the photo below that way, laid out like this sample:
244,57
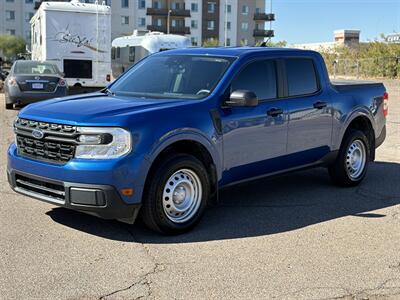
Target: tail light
385,104
12,81
62,82
108,77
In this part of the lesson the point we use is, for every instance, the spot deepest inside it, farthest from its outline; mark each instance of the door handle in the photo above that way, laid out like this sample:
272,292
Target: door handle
274,112
320,104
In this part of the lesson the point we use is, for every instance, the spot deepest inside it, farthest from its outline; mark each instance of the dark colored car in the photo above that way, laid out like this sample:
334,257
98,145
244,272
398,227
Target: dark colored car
31,81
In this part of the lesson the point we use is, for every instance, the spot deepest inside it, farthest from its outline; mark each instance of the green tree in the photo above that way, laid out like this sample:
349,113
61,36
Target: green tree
11,45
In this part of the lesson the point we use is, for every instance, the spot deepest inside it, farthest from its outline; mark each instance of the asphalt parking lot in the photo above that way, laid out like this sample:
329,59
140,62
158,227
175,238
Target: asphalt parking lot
292,237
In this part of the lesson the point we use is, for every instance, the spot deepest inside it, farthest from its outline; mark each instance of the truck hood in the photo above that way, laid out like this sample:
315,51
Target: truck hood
92,109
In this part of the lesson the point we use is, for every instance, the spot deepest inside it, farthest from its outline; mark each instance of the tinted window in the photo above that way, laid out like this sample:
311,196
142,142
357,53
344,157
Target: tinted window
77,68
173,76
301,77
33,67
258,77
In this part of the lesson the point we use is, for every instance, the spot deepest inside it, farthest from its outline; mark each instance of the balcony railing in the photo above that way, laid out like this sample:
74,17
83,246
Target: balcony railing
263,33
264,17
164,12
172,29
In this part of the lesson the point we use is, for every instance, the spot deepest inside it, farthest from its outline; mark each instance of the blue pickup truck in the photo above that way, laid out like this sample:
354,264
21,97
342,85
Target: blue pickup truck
162,139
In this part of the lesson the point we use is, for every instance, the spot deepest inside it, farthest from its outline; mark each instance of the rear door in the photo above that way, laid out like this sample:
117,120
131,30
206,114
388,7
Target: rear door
254,136
309,109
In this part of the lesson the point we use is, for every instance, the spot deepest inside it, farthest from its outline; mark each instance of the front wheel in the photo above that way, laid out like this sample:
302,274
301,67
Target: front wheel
177,195
351,164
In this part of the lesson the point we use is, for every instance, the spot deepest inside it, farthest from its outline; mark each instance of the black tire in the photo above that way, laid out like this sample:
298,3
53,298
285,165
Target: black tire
9,106
153,213
338,171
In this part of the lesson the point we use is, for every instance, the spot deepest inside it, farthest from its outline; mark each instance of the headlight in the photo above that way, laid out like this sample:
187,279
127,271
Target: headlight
103,143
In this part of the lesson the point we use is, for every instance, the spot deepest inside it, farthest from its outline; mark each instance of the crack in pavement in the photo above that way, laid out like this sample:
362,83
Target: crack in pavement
144,279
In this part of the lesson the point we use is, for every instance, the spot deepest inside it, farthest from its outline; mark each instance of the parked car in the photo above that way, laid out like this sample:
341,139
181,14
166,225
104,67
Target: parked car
180,124
31,81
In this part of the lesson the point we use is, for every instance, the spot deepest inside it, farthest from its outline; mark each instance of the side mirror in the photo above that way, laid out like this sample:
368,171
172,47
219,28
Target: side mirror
242,98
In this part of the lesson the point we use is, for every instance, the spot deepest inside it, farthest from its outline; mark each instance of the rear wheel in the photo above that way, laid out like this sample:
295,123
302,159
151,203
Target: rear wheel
177,195
351,164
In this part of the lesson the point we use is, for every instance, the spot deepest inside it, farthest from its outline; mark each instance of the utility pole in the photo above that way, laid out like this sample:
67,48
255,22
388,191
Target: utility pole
168,17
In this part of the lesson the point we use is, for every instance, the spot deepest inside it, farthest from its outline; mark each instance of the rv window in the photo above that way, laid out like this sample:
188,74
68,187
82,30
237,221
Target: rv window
131,54
112,53
76,68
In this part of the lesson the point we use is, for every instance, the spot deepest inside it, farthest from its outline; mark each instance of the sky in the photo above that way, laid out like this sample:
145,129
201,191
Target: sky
308,21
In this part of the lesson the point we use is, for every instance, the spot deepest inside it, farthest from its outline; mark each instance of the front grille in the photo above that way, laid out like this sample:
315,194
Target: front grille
57,145
43,189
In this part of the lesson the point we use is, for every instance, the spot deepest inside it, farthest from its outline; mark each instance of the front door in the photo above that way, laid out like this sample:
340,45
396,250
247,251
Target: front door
253,137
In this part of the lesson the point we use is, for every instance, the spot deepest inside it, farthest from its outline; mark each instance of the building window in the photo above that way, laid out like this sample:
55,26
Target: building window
27,34
245,26
228,25
158,22
211,7
124,3
10,31
142,22
142,4
175,5
211,25
9,0
156,5
243,42
28,1
28,16
245,10
228,42
10,15
125,20
258,10
194,41
173,23
194,7
194,24
228,8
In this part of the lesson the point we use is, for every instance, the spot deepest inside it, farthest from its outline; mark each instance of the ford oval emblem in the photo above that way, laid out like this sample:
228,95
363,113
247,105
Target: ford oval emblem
37,134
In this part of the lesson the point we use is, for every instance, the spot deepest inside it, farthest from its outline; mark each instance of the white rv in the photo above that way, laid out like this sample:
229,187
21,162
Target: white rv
77,37
128,50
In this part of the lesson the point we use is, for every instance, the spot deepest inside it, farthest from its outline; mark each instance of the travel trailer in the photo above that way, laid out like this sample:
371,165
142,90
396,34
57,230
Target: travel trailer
77,37
128,50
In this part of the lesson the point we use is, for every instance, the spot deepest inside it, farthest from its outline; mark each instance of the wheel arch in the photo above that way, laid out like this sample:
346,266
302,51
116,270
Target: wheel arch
188,143
362,121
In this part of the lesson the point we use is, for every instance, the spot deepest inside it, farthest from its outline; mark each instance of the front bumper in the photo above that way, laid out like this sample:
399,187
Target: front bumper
89,186
99,200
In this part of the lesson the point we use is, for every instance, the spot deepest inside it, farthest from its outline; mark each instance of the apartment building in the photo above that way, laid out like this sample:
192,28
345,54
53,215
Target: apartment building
230,22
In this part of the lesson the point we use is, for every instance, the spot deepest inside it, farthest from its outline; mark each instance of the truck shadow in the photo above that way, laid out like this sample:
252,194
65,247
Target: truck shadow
265,207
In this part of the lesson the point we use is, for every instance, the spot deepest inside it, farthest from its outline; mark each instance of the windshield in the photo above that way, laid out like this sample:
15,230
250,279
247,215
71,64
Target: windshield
35,67
177,76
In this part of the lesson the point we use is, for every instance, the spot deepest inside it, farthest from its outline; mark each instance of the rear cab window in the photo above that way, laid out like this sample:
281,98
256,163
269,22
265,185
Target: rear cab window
301,77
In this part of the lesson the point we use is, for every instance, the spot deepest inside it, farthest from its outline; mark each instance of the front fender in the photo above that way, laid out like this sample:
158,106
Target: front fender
189,134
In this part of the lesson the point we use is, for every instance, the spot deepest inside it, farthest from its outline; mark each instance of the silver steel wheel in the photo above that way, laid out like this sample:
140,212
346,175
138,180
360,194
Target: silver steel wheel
182,196
356,159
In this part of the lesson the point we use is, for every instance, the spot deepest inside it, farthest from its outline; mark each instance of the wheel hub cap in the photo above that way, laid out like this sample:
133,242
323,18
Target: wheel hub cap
356,159
182,196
